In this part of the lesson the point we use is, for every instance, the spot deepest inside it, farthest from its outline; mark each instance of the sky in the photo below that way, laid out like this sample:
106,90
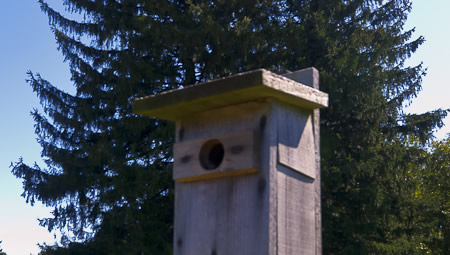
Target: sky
26,43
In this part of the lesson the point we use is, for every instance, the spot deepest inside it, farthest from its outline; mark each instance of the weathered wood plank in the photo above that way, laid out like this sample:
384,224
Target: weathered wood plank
273,211
227,215
296,213
296,141
239,88
240,156
296,200
310,77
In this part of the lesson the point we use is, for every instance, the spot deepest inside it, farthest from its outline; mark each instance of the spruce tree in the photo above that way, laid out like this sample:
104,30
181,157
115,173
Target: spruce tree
108,170
430,173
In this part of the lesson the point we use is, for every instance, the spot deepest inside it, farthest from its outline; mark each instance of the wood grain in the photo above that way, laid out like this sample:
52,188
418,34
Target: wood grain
296,141
296,213
240,157
236,89
232,208
226,215
296,198
310,77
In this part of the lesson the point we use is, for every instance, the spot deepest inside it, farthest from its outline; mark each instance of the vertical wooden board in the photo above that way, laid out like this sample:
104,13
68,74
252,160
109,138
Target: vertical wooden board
223,216
230,215
318,207
296,173
310,77
296,140
296,214
272,161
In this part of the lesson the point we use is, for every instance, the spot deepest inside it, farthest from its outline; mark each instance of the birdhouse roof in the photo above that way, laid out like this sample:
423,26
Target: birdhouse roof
243,87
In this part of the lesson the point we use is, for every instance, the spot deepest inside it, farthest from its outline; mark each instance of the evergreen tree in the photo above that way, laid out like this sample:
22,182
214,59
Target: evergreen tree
431,196
108,170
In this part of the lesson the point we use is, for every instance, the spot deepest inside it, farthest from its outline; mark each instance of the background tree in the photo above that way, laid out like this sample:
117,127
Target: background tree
431,197
435,188
108,170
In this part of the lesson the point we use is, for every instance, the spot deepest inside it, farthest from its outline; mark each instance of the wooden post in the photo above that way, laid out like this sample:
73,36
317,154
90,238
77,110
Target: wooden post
247,163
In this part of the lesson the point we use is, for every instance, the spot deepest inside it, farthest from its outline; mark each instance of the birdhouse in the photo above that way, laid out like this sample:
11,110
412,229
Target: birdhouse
246,163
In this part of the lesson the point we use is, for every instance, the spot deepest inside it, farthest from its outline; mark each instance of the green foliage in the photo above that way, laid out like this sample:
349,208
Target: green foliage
435,188
108,170
432,197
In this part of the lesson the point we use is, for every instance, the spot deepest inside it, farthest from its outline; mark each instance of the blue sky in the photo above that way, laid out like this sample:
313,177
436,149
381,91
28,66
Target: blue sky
27,43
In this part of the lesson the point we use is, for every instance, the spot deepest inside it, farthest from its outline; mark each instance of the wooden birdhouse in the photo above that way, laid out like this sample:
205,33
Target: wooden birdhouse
246,163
